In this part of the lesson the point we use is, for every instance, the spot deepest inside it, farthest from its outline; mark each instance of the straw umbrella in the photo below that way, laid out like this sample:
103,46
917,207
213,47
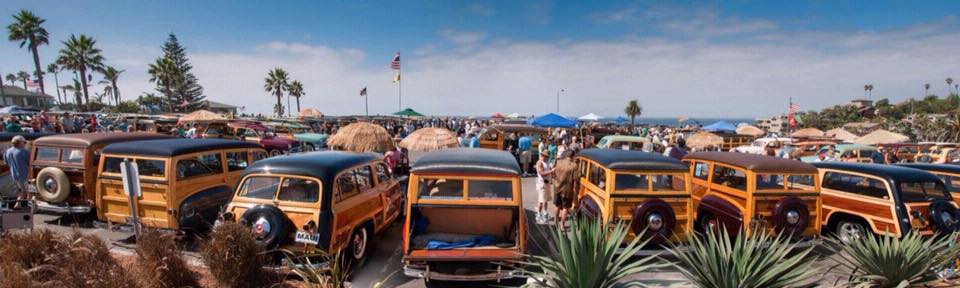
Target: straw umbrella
750,130
807,133
362,137
310,113
881,137
841,134
703,140
202,116
430,139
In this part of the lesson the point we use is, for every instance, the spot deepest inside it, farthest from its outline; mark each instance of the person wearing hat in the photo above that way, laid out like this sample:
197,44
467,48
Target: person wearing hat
18,158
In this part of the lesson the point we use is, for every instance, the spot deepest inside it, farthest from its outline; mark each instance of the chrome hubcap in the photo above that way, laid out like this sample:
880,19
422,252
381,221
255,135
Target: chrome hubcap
850,231
654,222
793,217
261,228
50,184
359,243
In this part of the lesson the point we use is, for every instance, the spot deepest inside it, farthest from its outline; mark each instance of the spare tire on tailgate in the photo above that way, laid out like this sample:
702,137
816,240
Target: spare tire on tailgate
53,185
268,223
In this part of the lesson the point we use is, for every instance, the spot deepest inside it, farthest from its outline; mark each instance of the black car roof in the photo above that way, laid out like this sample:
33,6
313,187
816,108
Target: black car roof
947,168
890,172
323,165
7,136
618,159
467,160
173,147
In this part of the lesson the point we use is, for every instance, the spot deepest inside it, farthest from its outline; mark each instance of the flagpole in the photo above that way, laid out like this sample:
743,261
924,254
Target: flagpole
399,89
366,102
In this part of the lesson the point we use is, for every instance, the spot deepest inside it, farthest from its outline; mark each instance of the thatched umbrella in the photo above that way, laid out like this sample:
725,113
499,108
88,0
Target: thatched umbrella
703,140
807,133
362,137
310,113
430,139
881,137
750,130
841,134
202,116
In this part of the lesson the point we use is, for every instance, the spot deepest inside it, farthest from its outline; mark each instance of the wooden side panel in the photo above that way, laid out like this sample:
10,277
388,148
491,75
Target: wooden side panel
878,215
151,205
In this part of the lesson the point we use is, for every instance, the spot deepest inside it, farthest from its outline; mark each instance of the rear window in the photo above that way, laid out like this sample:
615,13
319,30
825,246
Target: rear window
299,190
74,156
923,191
631,182
793,182
48,154
259,187
454,189
150,168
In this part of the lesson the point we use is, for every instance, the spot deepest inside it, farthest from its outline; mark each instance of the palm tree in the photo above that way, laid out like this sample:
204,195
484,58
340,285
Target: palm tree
276,83
296,90
52,68
926,89
949,82
865,88
110,77
12,78
27,29
164,72
23,76
633,110
80,55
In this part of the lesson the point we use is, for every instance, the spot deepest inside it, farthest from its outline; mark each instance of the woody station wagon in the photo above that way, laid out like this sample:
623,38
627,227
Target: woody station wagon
949,173
64,168
335,201
647,190
184,183
465,218
884,199
738,191
7,188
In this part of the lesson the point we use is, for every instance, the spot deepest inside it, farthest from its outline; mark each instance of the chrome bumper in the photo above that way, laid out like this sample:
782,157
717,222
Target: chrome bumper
62,209
433,275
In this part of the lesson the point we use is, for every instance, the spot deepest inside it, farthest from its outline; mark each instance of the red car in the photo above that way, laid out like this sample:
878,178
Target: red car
254,132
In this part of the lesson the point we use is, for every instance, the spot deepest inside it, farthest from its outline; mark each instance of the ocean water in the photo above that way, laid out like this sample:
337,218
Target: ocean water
664,121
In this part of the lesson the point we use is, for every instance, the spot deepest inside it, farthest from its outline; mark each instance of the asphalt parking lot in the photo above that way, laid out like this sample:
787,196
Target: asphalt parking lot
384,262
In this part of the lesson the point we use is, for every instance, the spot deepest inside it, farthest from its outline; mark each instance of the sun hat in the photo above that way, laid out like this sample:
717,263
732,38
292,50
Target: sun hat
18,139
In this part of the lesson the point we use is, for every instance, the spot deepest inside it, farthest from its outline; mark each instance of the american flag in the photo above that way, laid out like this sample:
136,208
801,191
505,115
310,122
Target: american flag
33,86
791,120
395,64
363,92
794,107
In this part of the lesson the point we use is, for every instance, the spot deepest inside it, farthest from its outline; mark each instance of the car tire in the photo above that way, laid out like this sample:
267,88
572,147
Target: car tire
848,230
359,247
706,222
53,185
268,223
275,152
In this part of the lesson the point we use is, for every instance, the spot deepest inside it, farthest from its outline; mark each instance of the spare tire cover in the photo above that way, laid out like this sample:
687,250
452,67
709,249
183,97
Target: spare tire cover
944,216
53,185
650,207
268,223
779,217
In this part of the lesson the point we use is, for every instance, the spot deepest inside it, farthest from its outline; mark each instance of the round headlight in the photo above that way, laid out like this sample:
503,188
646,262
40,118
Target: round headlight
654,221
793,217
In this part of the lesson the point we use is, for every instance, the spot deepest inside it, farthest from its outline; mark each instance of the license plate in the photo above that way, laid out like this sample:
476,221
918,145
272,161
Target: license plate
307,238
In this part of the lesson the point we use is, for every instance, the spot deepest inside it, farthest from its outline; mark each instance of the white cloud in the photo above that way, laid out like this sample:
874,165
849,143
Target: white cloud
462,37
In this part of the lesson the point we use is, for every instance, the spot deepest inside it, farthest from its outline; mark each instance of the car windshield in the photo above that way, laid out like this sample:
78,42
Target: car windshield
923,191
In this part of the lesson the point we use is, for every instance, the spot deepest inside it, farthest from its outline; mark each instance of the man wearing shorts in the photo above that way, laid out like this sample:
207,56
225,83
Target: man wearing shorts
544,191
18,158
564,175
526,156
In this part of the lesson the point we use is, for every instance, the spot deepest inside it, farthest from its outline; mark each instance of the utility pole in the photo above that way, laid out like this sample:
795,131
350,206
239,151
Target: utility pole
558,100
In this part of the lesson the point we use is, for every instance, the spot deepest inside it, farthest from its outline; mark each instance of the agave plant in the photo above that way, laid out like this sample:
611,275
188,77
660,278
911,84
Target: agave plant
887,261
586,256
318,268
755,259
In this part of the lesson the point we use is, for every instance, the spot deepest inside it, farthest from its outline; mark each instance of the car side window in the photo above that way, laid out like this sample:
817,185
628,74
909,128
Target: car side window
733,178
201,165
383,175
597,176
259,155
855,184
701,170
236,161
299,190
48,154
363,177
346,187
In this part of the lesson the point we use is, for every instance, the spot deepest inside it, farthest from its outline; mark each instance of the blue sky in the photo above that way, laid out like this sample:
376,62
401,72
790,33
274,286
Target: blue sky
693,58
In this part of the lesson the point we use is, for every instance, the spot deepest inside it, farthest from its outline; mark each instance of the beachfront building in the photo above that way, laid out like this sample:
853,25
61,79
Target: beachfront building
776,124
13,95
222,108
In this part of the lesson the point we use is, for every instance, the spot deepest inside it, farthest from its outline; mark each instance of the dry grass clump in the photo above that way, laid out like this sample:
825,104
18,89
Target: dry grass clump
45,259
161,263
234,257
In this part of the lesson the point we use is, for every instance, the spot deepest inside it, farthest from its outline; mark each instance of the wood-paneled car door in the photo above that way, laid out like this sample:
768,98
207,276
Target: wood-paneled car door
389,190
154,185
355,201
700,182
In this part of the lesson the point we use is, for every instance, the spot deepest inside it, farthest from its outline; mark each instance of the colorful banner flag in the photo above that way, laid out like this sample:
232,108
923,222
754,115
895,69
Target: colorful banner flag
395,64
363,92
792,120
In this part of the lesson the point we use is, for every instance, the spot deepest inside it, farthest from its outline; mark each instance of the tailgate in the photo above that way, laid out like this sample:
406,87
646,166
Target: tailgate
472,254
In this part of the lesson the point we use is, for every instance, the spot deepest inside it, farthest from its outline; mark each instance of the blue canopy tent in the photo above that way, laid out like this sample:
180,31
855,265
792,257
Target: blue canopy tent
720,126
620,120
552,120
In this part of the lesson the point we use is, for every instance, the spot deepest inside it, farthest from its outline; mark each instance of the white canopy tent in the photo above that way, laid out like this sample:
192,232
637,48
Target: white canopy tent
589,117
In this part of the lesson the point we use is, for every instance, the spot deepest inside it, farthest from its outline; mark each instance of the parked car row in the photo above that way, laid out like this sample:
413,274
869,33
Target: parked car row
462,212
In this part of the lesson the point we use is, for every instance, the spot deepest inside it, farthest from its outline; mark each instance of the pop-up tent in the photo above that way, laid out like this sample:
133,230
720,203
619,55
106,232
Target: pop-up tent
408,112
589,117
552,120
720,126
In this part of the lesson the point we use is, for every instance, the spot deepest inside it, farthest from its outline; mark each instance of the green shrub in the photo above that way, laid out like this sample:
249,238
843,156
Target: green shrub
586,256
887,261
716,259
234,257
161,263
318,268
